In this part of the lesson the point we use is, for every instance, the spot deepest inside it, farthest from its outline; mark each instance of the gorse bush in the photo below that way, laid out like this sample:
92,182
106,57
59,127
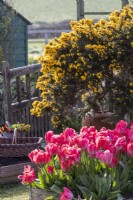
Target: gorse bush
94,58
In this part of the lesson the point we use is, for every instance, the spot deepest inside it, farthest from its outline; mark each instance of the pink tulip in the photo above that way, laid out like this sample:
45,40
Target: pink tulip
64,166
91,149
131,125
50,169
39,157
88,133
62,152
130,134
69,156
121,143
52,149
112,149
101,142
83,142
110,136
121,127
106,157
48,136
103,129
130,149
74,140
69,132
28,176
59,139
66,195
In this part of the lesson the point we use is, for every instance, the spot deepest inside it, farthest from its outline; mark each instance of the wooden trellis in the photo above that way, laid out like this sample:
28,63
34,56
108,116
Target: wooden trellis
81,11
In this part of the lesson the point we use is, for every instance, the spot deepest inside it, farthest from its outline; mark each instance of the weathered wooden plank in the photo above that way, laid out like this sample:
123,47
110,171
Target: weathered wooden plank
37,92
47,31
24,103
125,2
29,120
9,174
18,88
39,125
35,125
97,13
24,70
6,92
15,169
28,88
9,179
14,118
80,9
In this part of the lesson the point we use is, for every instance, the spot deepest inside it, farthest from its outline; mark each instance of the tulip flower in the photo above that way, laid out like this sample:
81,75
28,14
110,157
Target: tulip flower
66,195
28,176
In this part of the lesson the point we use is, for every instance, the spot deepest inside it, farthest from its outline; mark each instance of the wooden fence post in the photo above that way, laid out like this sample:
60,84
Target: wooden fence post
80,9
124,3
6,92
46,38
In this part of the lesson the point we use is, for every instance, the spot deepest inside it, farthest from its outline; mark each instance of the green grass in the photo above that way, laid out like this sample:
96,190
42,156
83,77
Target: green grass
14,192
35,46
59,10
35,49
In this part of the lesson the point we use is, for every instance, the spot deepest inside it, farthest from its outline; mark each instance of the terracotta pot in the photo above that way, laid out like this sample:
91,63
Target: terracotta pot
40,194
98,120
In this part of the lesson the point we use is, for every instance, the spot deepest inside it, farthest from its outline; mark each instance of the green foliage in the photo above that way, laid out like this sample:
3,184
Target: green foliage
6,28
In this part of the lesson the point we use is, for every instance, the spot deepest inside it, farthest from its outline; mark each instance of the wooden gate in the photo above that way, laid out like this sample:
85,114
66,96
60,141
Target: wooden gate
18,110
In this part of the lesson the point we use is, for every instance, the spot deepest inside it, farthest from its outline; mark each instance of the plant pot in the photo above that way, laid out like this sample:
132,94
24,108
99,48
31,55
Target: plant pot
98,120
40,194
7,135
22,147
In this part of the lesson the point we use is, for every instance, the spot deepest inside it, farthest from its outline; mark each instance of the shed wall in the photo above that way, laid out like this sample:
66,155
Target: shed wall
16,44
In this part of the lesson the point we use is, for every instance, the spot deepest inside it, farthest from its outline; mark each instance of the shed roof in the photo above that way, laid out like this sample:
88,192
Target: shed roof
18,14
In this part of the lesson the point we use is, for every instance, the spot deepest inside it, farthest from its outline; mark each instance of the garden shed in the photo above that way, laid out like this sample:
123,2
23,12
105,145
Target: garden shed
14,41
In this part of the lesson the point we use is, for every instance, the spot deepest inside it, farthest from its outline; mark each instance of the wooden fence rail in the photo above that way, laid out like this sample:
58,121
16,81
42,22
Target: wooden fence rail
18,110
46,33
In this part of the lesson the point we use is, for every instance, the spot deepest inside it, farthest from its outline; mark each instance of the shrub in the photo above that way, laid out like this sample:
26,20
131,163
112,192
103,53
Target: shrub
95,58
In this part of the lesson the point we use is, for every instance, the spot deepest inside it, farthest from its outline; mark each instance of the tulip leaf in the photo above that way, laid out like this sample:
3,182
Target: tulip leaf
56,189
85,180
50,198
94,196
58,183
41,180
113,195
61,174
38,185
85,191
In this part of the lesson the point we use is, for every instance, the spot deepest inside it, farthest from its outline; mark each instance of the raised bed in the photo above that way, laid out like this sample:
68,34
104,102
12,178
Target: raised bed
22,146
9,174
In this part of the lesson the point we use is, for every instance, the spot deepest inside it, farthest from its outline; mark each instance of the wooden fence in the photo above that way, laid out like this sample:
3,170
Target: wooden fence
18,110
81,10
46,34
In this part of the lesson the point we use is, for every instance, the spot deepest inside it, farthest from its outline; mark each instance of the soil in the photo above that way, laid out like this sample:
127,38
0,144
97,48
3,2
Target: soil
12,161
